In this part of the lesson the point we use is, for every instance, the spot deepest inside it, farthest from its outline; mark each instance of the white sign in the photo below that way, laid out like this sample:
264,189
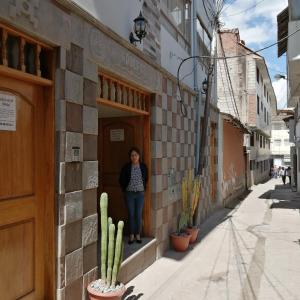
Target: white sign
117,135
7,112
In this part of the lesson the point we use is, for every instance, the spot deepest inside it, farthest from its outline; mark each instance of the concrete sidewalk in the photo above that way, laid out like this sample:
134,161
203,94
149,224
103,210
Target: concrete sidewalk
250,252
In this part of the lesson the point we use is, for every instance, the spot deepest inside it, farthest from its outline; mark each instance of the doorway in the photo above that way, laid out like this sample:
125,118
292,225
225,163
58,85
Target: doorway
26,190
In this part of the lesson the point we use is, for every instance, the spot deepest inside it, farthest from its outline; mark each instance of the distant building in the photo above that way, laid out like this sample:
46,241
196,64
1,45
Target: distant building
280,141
245,91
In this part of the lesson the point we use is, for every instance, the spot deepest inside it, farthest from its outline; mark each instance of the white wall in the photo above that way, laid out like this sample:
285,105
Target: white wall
115,14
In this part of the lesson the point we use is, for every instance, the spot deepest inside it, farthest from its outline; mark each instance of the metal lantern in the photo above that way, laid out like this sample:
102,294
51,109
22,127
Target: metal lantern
205,85
140,24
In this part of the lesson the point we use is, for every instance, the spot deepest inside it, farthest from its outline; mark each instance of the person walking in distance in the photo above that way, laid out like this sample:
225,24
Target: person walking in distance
289,174
282,174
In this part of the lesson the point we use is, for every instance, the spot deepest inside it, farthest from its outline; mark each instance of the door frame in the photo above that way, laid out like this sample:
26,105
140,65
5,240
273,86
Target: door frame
49,188
146,156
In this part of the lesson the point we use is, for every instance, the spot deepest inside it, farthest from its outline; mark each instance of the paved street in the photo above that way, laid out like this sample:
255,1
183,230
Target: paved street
250,252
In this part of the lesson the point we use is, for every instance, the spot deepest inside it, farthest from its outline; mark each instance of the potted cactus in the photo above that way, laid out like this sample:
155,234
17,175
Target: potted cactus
180,239
192,194
111,257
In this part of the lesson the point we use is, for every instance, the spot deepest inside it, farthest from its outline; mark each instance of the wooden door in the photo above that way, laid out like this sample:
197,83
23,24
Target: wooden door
116,137
213,165
24,166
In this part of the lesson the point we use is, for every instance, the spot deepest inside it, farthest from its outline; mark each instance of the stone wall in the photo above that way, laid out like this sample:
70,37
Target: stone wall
76,126
173,146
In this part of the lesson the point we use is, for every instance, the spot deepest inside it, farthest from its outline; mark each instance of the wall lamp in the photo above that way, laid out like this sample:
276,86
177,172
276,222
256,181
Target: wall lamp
204,86
140,24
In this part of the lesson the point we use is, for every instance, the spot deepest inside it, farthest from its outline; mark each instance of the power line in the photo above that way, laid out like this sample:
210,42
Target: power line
247,9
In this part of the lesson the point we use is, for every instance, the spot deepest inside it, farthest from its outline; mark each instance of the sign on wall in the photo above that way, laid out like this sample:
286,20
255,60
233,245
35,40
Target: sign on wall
117,135
7,112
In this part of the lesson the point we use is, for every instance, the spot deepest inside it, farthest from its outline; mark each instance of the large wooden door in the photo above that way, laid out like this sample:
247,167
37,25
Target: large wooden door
24,191
116,137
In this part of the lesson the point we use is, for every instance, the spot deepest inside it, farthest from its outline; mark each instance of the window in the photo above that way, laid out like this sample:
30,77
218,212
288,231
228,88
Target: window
258,105
261,106
267,118
252,165
257,75
286,142
257,137
265,91
261,142
265,115
180,13
277,143
257,165
252,140
264,142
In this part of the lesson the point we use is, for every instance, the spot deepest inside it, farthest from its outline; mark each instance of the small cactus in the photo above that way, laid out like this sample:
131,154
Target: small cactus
103,210
118,253
111,250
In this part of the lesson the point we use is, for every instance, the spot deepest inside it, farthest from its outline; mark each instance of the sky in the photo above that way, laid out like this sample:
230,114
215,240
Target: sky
258,28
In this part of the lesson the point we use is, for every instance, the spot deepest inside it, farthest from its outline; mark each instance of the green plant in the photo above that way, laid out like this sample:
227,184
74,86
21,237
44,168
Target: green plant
111,248
182,222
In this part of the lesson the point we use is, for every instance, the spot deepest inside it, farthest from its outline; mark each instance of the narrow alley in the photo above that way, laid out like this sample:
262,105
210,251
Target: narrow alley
249,252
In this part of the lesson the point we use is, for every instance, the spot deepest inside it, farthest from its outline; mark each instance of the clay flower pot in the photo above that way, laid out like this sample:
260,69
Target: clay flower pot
97,295
193,231
180,242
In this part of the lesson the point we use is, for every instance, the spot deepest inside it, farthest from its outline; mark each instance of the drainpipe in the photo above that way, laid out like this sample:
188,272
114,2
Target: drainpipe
195,68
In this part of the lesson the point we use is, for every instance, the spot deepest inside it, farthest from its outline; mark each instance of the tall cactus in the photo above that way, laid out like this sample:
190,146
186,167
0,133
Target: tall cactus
111,250
118,253
103,210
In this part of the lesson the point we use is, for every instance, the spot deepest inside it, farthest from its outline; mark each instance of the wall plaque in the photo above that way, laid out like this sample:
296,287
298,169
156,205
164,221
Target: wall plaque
117,135
7,112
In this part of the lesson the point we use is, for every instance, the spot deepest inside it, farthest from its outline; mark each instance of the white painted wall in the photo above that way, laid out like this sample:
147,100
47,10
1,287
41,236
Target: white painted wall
115,14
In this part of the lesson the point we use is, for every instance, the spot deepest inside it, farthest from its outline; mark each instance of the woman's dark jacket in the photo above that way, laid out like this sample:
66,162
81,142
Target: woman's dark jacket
125,175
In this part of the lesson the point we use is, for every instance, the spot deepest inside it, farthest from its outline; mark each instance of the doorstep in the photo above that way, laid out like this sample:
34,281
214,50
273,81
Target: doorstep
138,257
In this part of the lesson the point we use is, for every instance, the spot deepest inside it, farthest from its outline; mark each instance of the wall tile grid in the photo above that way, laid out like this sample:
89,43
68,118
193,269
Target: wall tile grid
173,143
76,126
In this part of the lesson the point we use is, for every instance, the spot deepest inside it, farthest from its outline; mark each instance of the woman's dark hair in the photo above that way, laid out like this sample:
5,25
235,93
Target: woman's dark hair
135,149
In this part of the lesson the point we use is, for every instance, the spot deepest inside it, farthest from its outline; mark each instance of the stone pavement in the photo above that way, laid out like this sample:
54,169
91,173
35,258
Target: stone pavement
249,252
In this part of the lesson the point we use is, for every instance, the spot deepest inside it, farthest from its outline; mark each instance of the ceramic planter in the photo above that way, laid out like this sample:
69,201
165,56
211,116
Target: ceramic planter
95,295
193,231
180,242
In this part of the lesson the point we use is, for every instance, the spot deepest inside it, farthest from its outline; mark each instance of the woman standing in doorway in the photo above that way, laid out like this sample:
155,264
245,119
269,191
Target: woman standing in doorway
133,179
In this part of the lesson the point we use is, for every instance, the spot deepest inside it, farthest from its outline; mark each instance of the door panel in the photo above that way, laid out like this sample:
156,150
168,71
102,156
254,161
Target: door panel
23,179
113,155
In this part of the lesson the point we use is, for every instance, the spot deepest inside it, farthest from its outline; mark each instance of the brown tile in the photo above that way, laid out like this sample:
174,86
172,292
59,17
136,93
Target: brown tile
164,85
60,84
174,120
174,149
89,92
169,134
174,89
73,236
89,202
156,166
73,176
75,59
74,117
90,147
74,290
165,181
164,116
164,149
169,103
170,162
89,257
158,100
156,132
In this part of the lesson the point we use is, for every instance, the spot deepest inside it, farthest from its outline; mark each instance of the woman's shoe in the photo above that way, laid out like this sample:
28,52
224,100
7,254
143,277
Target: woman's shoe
139,241
130,242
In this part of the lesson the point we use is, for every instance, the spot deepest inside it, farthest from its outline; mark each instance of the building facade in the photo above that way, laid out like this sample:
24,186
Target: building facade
280,141
288,23
79,95
245,91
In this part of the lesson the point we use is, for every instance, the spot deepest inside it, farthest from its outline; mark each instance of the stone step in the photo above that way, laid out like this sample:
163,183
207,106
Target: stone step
138,262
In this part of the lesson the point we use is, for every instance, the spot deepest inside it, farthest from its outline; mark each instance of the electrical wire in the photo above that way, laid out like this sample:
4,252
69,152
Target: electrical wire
247,9
228,5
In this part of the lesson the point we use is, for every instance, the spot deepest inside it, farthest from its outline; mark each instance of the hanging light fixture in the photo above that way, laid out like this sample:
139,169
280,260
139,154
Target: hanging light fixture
204,86
140,24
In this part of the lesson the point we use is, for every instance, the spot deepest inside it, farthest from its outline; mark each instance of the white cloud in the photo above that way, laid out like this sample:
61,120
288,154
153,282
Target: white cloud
280,88
257,25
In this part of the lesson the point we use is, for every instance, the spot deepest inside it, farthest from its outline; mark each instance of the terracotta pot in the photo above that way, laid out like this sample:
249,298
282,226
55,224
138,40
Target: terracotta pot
180,242
193,231
94,295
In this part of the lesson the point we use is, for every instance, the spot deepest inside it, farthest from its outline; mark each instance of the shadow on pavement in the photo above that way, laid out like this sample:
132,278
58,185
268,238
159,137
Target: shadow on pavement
128,294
